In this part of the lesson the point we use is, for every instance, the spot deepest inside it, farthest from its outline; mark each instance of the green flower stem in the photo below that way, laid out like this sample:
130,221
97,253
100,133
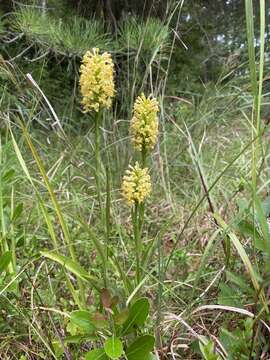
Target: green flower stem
143,155
159,295
98,118
138,240
104,212
108,221
142,206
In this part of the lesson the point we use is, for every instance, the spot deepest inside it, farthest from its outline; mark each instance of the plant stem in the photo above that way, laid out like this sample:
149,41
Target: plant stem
97,157
137,238
143,155
160,293
108,221
104,213
141,207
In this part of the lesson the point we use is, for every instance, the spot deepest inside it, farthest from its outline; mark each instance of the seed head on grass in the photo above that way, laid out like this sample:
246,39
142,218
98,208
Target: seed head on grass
144,124
136,184
96,80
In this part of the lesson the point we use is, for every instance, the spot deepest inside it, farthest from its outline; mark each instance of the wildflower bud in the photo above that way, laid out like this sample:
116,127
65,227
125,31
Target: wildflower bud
96,80
144,124
136,184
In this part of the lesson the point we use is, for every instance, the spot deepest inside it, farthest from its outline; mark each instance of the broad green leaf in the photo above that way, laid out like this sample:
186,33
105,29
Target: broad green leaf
140,349
113,347
5,259
97,354
151,357
72,329
120,318
138,313
69,264
82,319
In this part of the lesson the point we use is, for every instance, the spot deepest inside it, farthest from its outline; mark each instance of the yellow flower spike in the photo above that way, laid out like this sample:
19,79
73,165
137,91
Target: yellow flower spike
136,184
144,124
96,80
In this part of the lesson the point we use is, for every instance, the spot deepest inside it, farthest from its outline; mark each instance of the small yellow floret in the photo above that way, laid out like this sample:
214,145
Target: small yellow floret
96,80
136,184
144,124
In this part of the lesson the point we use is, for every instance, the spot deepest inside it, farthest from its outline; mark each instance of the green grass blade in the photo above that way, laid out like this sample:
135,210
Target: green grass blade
210,247
247,263
251,50
69,264
40,201
51,192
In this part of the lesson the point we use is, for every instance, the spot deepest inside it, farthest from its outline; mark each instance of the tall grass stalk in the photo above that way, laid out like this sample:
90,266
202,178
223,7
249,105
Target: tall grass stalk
13,239
256,131
256,87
